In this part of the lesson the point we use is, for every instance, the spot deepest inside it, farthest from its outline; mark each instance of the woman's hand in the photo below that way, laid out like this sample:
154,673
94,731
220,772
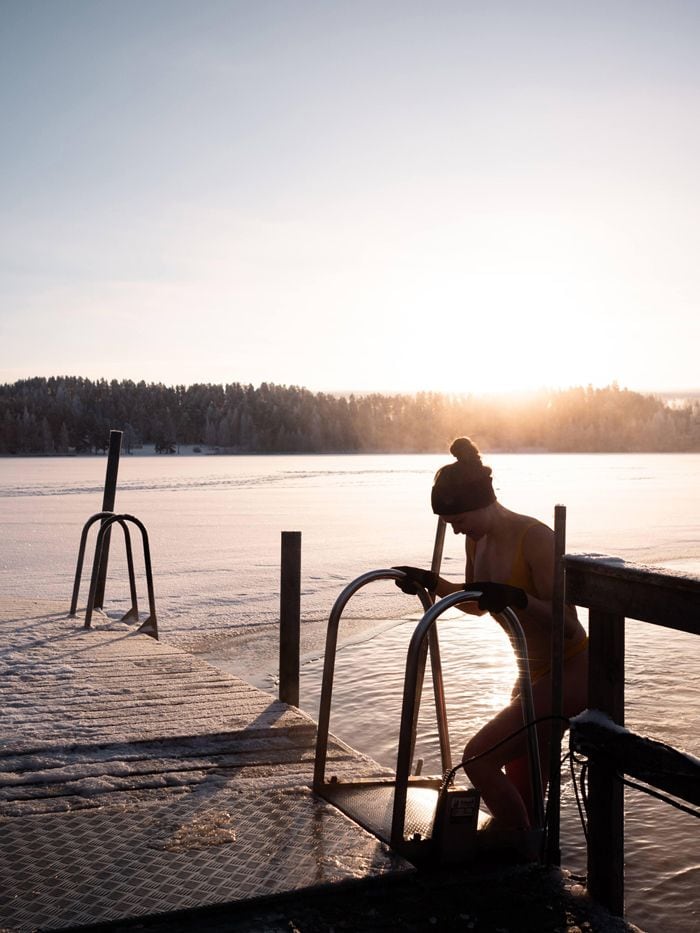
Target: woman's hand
495,597
416,577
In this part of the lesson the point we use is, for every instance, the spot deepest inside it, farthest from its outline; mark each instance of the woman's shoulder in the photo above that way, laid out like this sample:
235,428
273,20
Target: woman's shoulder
528,525
537,552
534,535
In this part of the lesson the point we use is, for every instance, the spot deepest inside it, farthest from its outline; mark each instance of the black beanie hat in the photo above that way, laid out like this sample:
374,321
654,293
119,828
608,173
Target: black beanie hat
465,485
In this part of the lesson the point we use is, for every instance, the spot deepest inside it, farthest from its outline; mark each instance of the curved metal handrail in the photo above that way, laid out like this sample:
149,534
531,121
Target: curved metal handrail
415,661
133,612
150,625
324,713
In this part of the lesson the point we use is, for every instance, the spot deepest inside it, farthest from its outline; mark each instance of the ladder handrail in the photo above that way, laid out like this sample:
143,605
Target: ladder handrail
435,661
415,661
324,712
150,625
134,611
81,557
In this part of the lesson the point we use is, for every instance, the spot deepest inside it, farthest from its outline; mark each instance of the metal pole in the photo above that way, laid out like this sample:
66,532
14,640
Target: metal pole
290,617
110,492
553,851
150,625
436,663
439,546
81,557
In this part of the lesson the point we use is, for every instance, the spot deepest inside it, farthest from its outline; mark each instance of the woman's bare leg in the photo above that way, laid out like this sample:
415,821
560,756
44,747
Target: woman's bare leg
508,796
500,794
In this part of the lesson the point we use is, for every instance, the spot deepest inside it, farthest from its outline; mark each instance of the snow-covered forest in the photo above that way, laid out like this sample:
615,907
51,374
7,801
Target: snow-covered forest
65,415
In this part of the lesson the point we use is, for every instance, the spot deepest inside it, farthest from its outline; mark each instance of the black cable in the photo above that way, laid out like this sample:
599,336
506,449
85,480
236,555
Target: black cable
549,806
640,787
584,824
448,777
584,784
658,796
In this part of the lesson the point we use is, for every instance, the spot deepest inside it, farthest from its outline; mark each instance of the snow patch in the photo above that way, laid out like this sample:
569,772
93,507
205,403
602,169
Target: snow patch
597,718
211,828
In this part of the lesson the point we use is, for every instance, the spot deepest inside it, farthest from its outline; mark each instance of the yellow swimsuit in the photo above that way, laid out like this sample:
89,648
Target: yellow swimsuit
520,573
539,648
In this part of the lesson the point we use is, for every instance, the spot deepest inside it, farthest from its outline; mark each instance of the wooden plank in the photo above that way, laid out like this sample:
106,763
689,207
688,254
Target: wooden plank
94,716
644,593
653,762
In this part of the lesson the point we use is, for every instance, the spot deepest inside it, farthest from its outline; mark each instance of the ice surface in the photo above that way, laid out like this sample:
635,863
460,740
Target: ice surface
214,525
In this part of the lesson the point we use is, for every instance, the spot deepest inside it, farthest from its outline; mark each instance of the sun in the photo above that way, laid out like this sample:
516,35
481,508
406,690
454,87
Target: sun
518,308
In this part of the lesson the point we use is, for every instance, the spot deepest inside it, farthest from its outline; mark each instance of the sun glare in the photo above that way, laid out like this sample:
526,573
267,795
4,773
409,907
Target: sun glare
506,303
509,336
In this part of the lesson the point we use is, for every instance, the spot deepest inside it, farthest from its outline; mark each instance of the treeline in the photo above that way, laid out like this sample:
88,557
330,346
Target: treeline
73,415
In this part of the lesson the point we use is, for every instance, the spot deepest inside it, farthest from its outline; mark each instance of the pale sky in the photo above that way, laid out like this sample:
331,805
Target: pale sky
351,195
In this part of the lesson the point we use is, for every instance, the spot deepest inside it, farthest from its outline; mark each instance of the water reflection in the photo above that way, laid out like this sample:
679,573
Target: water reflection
479,670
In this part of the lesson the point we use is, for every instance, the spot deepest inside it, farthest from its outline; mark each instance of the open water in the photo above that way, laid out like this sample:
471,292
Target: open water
215,523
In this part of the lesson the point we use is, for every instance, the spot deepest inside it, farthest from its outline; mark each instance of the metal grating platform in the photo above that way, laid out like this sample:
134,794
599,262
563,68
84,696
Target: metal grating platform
137,780
104,865
371,805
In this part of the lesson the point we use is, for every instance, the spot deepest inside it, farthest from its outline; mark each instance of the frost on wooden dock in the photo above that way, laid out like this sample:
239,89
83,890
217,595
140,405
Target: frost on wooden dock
135,779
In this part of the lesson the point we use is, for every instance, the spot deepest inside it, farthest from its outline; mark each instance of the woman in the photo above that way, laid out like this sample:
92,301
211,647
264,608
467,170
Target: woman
514,555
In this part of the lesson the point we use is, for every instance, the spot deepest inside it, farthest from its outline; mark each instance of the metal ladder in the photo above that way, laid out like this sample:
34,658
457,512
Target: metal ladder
405,811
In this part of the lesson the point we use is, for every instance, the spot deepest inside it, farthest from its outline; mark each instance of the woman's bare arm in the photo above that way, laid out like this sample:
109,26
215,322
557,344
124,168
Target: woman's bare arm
538,550
445,587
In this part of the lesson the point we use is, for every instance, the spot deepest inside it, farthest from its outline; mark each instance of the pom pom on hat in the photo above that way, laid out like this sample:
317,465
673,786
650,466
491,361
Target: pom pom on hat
465,485
466,451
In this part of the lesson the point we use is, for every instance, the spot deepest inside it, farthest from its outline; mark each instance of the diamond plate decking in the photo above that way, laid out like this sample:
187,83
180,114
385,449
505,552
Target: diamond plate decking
137,780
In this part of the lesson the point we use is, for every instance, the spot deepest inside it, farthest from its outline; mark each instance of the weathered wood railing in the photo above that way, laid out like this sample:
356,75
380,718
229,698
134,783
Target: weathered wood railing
613,591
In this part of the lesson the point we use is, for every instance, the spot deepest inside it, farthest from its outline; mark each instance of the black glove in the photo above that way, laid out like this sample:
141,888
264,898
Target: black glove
414,575
496,596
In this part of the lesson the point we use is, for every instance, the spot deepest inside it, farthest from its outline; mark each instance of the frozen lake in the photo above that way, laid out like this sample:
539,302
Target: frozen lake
215,524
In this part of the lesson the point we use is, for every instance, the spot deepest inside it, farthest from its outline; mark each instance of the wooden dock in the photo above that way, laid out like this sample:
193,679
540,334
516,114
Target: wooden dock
136,780
142,789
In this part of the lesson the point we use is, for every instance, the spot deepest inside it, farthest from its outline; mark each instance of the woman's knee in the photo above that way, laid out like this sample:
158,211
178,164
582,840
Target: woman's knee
476,764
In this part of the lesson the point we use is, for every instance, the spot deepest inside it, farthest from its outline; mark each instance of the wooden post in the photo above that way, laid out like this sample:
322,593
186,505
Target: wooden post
606,689
290,617
614,591
553,853
108,499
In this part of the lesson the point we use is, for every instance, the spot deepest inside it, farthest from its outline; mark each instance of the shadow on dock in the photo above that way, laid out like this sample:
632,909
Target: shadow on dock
520,900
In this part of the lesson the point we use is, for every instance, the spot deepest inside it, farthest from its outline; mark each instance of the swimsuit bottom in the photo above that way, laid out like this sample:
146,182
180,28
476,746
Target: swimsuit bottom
537,673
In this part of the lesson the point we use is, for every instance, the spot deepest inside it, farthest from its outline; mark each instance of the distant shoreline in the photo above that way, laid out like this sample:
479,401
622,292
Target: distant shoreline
70,415
186,450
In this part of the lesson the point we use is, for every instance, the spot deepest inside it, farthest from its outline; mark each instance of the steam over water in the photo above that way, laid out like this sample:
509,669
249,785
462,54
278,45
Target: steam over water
215,523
